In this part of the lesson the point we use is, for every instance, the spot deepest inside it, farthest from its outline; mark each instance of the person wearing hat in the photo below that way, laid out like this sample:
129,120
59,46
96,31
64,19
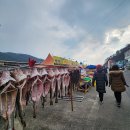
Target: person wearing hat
117,83
101,82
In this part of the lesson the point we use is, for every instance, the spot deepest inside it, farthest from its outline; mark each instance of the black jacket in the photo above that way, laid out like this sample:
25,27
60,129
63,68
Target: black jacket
101,81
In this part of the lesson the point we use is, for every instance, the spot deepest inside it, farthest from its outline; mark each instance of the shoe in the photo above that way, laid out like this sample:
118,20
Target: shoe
118,105
101,102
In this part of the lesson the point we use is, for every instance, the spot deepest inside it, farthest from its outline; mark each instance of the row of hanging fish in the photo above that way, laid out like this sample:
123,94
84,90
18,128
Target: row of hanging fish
19,86
30,83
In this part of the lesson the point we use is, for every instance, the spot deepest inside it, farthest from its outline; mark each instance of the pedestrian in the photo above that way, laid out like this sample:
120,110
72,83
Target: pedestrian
117,83
101,82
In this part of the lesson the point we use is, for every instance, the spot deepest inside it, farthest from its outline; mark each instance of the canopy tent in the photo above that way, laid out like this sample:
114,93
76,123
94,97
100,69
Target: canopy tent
49,60
56,61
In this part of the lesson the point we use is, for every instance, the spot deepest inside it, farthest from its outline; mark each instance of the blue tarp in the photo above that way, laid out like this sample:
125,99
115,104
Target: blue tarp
91,67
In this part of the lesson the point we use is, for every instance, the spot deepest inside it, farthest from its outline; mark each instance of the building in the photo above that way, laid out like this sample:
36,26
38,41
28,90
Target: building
127,57
120,57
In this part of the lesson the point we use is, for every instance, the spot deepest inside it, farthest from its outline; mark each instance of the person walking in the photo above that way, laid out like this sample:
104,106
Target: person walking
117,83
101,82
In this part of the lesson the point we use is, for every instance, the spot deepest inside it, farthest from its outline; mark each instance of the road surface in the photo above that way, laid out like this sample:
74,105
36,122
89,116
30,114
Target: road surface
87,115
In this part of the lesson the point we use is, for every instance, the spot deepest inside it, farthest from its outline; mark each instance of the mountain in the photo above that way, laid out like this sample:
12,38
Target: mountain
9,56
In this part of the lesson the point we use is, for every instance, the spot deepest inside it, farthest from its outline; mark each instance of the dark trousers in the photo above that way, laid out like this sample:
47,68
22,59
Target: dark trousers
101,96
118,96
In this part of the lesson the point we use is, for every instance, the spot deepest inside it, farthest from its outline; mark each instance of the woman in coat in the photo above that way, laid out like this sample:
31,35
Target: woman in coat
101,81
117,83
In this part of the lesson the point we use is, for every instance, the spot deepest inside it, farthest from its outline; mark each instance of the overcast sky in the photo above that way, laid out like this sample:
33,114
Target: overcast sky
83,30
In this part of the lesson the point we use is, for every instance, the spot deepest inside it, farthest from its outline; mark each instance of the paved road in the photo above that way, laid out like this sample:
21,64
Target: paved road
127,76
87,115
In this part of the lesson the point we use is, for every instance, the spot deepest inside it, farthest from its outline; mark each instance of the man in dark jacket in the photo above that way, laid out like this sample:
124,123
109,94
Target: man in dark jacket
101,81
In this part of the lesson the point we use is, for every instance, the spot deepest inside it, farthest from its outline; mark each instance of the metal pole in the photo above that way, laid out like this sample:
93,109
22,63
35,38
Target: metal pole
71,86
